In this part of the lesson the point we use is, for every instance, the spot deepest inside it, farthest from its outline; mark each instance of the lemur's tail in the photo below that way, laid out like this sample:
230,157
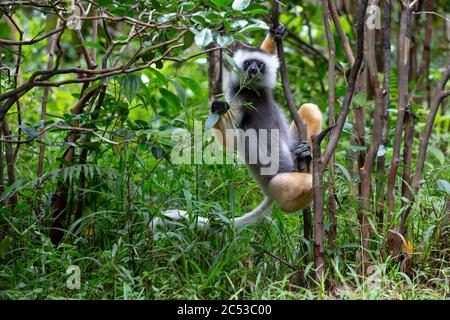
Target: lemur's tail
247,219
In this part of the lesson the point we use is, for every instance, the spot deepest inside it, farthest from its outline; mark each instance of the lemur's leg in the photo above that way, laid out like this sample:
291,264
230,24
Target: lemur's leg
294,190
312,117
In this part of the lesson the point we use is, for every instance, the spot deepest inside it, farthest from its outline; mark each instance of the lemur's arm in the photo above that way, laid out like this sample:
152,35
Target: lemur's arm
225,121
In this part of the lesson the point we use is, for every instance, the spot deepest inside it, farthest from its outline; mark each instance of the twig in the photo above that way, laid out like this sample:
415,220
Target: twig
302,165
345,43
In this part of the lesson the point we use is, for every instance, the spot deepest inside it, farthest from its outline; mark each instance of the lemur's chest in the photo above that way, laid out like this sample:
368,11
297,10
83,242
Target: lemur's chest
255,110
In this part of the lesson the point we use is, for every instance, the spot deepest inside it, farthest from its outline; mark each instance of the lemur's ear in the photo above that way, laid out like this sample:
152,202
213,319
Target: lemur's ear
269,43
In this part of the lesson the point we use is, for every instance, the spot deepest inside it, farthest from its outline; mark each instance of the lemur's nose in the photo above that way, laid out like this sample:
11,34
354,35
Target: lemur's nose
253,70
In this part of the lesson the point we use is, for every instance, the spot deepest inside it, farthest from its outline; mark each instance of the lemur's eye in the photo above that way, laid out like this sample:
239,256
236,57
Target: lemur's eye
260,65
246,64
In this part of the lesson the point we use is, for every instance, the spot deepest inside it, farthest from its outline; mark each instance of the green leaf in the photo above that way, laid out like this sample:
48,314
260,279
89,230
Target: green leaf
104,3
358,148
31,132
239,24
259,25
219,3
130,85
170,97
188,40
444,186
93,45
224,40
240,4
203,38
180,91
345,172
4,246
192,84
211,121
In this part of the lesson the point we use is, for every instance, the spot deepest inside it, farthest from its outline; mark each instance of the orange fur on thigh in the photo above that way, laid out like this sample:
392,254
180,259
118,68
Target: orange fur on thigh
292,190
312,117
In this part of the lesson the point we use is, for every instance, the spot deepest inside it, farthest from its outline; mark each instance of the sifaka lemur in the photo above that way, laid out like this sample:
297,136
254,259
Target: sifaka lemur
250,106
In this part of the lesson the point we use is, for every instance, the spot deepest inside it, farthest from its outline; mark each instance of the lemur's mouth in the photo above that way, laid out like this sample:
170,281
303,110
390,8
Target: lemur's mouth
252,74
252,71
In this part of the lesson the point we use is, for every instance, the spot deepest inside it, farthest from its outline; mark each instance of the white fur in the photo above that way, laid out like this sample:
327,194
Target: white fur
247,219
270,61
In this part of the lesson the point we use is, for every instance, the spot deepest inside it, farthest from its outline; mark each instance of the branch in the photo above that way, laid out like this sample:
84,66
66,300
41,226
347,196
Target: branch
32,41
285,83
439,97
336,133
341,33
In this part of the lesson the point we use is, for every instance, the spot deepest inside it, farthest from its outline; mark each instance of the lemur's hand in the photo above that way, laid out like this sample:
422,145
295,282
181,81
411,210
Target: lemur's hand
219,107
278,32
302,151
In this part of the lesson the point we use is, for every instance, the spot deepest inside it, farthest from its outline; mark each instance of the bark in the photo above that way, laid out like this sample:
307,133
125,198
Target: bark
340,31
377,130
440,95
50,49
404,41
303,164
386,100
214,73
10,165
331,121
321,161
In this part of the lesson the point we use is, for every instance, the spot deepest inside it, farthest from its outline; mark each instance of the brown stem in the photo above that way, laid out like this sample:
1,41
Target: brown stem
377,132
214,58
60,199
439,96
50,49
331,121
404,40
337,130
318,170
386,85
341,33
302,165
10,166
320,161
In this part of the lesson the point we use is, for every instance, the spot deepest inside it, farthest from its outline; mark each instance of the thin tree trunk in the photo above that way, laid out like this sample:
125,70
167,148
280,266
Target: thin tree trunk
321,161
10,165
50,49
386,88
404,41
331,122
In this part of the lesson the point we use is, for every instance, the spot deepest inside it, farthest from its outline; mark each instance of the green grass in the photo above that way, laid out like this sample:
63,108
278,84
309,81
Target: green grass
120,258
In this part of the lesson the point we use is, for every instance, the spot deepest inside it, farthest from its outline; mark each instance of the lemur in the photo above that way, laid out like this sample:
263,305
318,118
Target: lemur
250,105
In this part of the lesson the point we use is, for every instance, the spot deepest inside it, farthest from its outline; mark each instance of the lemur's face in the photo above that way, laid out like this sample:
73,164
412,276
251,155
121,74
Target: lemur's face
256,68
253,68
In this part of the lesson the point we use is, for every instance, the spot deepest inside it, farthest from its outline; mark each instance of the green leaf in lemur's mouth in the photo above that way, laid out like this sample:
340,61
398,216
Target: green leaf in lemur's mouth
249,105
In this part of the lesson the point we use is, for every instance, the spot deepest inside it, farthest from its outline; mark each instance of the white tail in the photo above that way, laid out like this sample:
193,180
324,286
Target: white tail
247,219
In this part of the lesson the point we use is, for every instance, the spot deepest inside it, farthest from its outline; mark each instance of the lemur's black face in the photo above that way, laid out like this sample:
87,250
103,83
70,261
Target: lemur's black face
253,67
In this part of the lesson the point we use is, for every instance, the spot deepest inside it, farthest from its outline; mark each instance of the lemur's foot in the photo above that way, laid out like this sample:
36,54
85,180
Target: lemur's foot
278,32
303,151
219,107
